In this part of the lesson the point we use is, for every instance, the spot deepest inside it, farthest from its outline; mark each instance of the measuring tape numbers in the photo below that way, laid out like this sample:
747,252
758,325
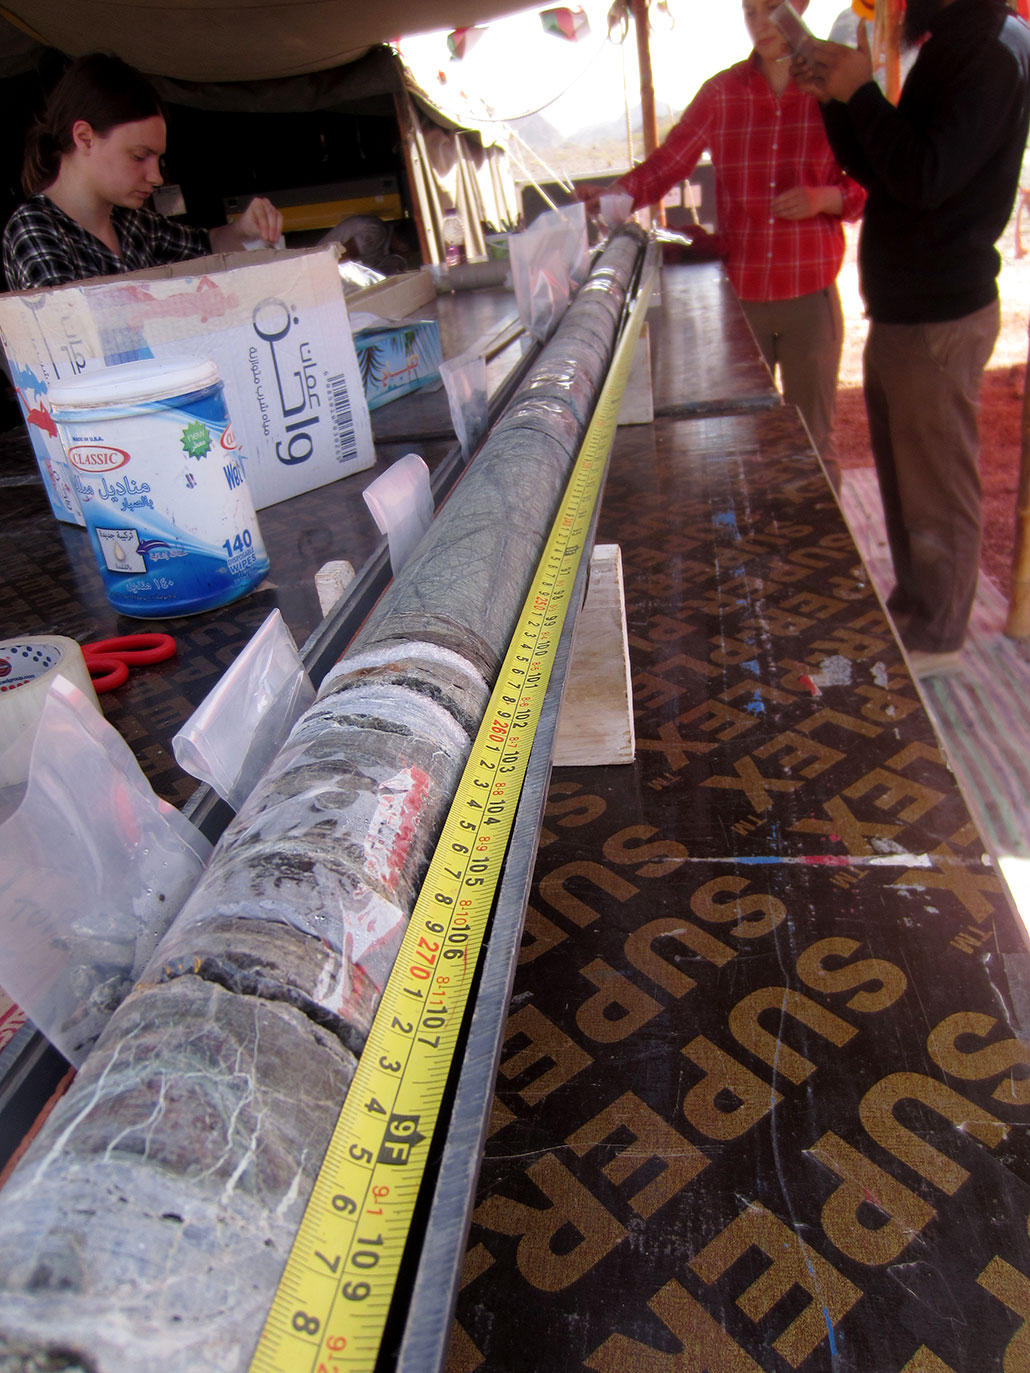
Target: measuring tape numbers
331,1305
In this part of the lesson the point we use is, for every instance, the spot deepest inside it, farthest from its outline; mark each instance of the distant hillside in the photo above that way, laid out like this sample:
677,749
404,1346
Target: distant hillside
537,132
596,151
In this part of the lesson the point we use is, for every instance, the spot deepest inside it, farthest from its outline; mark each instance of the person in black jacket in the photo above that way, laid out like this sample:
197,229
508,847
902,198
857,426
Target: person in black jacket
941,171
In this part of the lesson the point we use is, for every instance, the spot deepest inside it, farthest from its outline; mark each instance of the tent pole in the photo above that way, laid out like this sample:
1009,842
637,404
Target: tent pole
1017,625
405,121
647,110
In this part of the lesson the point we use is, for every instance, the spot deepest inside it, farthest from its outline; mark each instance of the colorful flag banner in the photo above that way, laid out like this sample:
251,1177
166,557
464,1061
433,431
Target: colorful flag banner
566,23
462,41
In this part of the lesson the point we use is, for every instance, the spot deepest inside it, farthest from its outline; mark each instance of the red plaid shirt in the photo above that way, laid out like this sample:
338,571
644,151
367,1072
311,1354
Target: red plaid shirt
760,144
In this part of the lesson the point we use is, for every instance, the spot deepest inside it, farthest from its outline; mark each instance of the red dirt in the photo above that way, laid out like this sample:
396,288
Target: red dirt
1001,402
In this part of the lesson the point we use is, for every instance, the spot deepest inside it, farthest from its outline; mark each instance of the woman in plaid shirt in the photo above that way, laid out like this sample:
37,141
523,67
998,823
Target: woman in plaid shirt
780,198
91,162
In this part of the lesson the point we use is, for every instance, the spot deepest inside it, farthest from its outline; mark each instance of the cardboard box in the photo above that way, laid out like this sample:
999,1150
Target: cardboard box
396,297
276,325
396,354
398,358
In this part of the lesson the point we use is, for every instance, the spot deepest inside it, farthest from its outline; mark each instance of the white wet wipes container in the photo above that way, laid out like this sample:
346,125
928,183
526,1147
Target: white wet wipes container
162,485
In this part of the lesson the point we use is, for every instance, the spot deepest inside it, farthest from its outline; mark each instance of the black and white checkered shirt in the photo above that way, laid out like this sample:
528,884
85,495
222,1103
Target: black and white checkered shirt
45,247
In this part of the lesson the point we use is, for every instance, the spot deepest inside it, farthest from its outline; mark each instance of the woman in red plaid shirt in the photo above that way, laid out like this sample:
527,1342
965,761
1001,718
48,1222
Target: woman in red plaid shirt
780,199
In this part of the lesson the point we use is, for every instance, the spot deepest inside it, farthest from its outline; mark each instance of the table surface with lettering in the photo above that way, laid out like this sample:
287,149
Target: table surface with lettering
763,1093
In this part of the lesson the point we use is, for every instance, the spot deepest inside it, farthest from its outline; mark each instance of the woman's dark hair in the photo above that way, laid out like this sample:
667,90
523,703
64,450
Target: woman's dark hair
99,88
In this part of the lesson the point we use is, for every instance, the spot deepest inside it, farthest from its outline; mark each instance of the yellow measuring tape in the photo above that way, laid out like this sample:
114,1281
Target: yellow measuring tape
332,1302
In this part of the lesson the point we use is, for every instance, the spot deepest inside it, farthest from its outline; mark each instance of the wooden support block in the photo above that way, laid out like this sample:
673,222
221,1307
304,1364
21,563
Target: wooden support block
638,399
596,721
331,581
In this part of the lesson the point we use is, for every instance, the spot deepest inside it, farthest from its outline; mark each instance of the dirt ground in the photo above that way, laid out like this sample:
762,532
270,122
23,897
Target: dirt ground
1001,397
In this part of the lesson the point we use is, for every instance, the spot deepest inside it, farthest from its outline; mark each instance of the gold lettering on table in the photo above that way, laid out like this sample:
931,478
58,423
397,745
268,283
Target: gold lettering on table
651,1138
815,559
539,935
894,790
847,589
709,1104
780,571
639,949
877,1112
962,877
770,1048
1012,1289
755,785
886,706
747,587
588,1231
973,1065
811,603
477,1260
463,1354
653,691
970,939
568,805
704,670
926,1361
793,1264
707,1348
553,889
853,644
677,750
545,1043
727,652
779,622
663,629
798,749
844,825
500,1116
713,714
754,915
837,720
916,753
888,979
662,971
630,846
617,1009
864,1184
716,603
752,688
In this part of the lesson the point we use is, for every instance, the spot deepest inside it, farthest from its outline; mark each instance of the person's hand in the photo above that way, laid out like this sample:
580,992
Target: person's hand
805,202
261,220
590,194
833,71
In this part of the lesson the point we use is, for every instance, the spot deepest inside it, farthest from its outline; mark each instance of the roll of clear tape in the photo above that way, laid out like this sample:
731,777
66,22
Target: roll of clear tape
27,667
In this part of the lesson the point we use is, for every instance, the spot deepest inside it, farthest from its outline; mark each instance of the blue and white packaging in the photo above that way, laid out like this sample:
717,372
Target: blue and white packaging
162,485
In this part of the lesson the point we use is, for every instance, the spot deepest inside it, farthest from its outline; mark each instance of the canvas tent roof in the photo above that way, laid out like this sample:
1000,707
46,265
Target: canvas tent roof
229,40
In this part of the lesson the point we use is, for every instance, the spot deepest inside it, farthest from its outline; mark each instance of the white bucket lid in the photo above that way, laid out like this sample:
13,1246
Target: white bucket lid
134,383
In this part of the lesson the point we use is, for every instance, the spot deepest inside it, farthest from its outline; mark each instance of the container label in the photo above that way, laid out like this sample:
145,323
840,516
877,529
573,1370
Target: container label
164,492
90,457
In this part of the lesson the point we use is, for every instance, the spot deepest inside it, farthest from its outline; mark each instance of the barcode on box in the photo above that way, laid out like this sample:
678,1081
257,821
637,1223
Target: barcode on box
343,428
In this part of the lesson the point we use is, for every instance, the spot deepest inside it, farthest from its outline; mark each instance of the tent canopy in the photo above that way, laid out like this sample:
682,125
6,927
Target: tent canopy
231,40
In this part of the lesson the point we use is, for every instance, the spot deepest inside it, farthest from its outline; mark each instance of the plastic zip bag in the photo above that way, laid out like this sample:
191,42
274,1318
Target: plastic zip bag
464,379
244,719
540,277
93,868
401,502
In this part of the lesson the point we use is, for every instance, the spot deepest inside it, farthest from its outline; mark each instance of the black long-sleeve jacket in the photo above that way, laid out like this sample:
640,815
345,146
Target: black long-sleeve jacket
942,168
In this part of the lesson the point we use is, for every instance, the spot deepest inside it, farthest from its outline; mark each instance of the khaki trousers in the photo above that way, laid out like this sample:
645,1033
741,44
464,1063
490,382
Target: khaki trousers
803,338
922,386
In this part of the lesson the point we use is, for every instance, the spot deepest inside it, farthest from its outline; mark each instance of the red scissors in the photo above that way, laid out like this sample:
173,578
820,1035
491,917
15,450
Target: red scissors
108,660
